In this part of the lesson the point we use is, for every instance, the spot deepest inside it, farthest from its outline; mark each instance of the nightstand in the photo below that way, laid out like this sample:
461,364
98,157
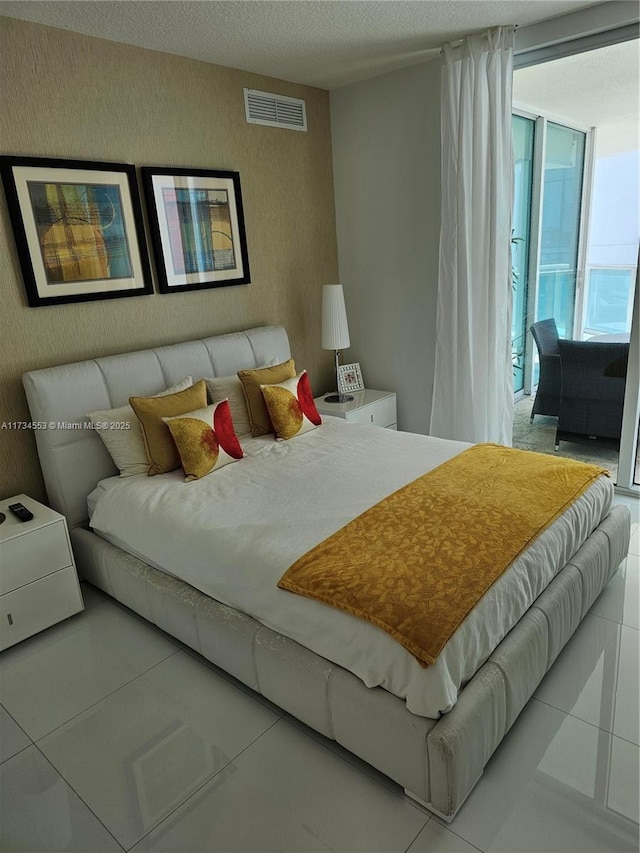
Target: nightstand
38,580
367,407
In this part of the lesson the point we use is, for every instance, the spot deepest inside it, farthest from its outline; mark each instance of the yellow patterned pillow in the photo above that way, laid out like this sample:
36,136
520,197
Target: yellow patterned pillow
291,407
251,382
161,450
205,439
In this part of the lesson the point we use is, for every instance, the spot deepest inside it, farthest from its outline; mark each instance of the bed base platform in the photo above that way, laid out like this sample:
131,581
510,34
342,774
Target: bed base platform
437,762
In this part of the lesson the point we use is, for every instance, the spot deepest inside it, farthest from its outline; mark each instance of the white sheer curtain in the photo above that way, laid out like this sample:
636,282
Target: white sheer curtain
473,388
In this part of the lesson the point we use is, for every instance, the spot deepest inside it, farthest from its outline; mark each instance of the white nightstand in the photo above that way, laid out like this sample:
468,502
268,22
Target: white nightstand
38,580
367,407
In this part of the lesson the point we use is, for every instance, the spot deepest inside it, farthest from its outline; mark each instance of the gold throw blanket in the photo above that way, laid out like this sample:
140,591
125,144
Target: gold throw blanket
416,563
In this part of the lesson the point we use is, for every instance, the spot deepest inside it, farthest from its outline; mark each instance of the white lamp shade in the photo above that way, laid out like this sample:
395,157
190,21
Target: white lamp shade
335,331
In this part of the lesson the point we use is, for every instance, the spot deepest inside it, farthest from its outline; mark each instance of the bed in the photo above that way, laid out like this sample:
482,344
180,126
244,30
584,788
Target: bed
433,729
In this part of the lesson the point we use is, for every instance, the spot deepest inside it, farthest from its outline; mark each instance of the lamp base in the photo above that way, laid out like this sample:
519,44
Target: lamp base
339,398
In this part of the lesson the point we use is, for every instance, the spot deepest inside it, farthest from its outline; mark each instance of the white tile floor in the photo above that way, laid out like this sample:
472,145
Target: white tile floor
114,737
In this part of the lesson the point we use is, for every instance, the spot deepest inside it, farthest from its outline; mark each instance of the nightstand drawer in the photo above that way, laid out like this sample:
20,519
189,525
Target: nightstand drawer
33,555
382,413
36,606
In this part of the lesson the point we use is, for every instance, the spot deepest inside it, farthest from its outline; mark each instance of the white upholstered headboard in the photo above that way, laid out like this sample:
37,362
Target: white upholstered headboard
73,460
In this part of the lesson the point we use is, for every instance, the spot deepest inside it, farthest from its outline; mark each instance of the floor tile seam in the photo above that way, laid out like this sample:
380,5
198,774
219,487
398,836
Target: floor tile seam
13,719
320,744
413,840
104,698
449,826
235,682
85,804
62,626
17,752
148,623
615,621
319,739
586,722
112,602
201,786
408,800
244,749
336,748
622,624
178,805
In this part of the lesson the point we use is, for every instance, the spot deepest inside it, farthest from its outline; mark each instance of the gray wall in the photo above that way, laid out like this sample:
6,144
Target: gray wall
386,162
68,95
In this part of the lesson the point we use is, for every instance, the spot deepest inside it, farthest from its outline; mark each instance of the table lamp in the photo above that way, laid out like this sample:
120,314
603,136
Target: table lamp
335,331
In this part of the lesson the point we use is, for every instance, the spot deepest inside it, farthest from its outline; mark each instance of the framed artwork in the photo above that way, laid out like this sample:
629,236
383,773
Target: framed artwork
197,226
349,378
78,229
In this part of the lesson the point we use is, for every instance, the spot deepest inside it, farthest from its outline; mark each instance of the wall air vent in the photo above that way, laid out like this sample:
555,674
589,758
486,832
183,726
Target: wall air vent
275,110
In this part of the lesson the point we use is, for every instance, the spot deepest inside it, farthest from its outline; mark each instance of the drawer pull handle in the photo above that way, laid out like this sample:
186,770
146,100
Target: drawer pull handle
9,619
371,418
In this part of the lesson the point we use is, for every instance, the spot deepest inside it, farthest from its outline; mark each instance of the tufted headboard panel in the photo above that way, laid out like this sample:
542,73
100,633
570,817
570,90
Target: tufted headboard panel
72,457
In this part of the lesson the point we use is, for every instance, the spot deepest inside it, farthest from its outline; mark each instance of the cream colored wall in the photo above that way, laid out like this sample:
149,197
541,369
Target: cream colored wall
72,96
386,155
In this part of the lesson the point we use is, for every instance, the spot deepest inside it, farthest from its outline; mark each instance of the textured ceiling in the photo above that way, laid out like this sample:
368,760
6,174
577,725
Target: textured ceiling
331,43
324,43
594,89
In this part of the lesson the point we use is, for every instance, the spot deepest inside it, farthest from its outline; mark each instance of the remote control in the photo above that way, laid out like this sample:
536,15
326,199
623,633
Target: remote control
21,512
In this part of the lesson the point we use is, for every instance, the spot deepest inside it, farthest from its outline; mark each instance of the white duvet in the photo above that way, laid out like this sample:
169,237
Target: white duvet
233,534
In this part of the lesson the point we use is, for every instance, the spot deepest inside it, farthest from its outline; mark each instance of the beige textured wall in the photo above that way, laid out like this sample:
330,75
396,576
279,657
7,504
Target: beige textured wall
72,96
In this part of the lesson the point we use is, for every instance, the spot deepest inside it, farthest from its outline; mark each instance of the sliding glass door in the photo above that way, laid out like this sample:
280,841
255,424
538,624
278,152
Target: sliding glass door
576,206
549,166
587,288
562,179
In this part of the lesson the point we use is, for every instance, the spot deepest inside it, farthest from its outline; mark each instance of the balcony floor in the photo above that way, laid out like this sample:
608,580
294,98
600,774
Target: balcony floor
540,436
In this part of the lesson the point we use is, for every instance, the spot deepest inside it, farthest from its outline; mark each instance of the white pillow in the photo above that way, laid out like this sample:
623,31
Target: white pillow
125,443
230,388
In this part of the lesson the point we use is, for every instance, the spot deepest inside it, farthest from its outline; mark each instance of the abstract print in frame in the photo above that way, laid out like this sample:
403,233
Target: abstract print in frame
78,229
197,223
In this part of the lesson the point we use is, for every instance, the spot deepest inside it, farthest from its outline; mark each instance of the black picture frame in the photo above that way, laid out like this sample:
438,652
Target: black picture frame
78,229
197,228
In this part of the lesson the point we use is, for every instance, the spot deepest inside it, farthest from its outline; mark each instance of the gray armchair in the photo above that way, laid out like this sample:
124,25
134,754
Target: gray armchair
547,399
593,384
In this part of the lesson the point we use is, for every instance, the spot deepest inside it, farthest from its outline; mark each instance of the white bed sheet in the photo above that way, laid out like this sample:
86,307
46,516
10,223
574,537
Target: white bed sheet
233,534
